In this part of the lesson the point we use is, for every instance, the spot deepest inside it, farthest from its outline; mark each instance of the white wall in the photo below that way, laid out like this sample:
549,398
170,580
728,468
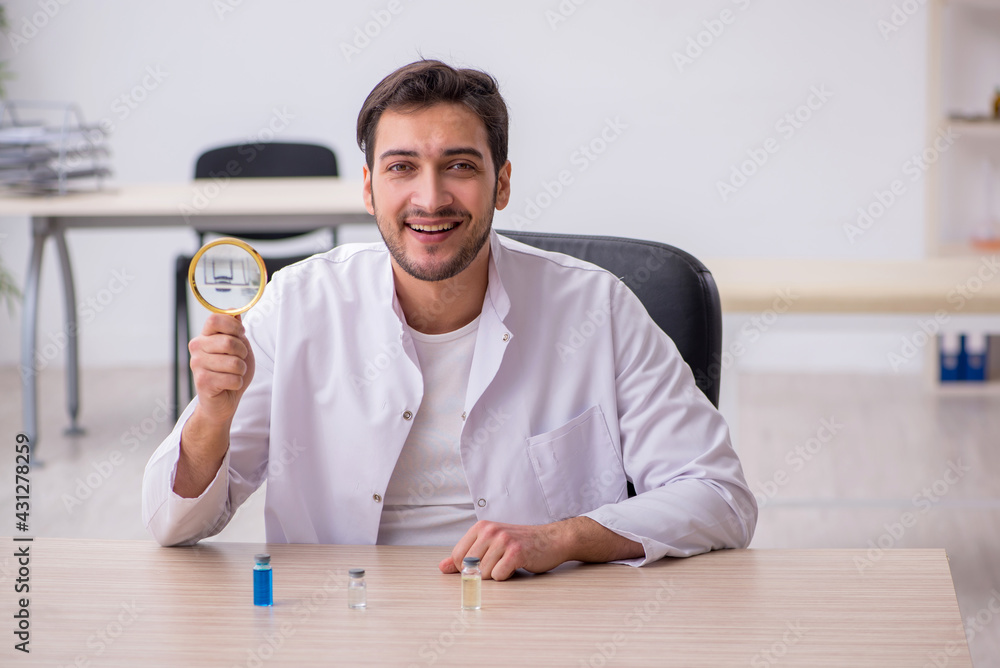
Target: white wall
684,131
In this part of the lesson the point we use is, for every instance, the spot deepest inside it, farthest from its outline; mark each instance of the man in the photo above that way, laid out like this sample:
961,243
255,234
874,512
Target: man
414,391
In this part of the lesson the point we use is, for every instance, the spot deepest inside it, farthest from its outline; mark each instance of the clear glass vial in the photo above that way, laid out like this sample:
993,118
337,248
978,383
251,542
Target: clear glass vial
262,580
357,591
472,584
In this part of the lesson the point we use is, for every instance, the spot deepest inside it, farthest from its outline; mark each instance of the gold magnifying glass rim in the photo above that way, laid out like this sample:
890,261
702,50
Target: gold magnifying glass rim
231,241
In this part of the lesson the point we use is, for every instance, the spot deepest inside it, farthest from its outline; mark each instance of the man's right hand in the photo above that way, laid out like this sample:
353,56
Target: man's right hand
223,365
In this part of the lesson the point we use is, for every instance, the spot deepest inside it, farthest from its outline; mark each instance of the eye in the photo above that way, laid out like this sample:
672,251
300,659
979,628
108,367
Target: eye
397,167
464,166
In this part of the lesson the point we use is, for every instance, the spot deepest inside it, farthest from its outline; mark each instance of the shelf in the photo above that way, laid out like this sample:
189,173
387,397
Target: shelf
969,128
981,4
963,43
956,249
967,389
961,195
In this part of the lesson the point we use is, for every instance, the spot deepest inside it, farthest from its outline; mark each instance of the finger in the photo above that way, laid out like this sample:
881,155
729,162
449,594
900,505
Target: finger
243,332
218,323
246,344
221,344
210,383
488,563
505,567
447,566
227,364
461,550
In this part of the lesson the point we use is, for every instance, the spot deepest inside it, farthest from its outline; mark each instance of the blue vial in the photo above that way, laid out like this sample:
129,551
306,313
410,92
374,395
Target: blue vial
262,582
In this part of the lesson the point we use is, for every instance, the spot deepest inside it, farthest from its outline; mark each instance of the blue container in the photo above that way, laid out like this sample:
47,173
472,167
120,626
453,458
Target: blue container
263,593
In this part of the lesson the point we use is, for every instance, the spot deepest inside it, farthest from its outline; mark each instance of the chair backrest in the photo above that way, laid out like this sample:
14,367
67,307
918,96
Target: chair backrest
677,290
266,160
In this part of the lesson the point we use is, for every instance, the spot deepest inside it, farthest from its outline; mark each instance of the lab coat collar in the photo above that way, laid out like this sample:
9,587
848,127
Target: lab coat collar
494,336
496,295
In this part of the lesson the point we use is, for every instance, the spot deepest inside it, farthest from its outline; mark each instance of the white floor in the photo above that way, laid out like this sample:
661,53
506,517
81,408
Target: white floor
838,461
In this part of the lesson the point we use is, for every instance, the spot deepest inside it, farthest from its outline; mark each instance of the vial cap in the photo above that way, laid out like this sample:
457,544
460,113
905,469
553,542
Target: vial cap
357,572
262,558
470,561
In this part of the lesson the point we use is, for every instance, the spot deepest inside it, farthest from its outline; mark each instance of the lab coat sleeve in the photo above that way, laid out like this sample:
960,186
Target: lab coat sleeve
692,496
173,520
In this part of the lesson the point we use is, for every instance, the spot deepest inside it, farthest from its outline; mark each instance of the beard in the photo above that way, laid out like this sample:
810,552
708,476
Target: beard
477,235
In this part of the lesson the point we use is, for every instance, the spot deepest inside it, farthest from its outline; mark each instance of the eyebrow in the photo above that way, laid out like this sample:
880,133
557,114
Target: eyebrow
448,153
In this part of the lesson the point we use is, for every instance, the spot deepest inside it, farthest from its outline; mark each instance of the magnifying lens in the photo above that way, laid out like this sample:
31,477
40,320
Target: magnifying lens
227,276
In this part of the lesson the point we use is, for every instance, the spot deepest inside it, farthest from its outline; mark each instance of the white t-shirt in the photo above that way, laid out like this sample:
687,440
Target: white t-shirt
427,501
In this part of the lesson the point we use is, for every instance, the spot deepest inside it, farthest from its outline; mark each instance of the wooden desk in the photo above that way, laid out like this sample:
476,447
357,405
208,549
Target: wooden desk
130,603
300,204
954,285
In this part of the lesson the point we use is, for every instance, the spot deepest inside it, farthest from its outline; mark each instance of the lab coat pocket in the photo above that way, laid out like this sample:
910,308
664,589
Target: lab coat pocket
578,466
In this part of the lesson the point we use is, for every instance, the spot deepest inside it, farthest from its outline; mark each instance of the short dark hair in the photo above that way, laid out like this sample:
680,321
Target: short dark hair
428,82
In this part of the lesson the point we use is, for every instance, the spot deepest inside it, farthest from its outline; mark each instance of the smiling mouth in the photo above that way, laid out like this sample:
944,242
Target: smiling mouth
433,229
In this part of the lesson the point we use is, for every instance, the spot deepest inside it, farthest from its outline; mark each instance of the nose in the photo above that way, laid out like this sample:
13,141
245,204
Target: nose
430,192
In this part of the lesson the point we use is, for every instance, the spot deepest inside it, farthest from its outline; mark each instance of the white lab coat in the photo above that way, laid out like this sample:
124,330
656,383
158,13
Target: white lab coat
573,390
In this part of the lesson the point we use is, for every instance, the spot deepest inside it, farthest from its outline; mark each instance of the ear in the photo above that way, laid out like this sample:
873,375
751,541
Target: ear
367,190
503,186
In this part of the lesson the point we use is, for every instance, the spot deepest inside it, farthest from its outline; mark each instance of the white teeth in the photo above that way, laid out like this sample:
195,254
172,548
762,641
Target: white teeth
432,228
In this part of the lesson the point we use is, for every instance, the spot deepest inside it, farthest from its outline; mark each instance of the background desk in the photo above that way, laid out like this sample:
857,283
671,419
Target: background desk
862,286
745,285
130,603
303,204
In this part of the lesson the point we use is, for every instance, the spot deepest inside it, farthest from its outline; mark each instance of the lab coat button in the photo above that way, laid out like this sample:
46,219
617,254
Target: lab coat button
506,337
377,498
464,415
481,503
407,415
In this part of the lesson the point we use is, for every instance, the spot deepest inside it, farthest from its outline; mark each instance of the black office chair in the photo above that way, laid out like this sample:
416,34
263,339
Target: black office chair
263,160
677,290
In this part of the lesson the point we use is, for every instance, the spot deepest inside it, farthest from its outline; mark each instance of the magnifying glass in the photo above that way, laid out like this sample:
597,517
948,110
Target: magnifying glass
227,276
